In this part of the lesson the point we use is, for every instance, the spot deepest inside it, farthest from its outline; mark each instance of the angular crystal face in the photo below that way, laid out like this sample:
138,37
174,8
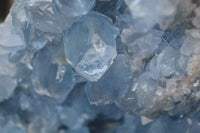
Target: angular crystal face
90,45
57,15
168,63
7,81
143,48
59,81
44,17
146,15
7,44
113,84
7,85
74,8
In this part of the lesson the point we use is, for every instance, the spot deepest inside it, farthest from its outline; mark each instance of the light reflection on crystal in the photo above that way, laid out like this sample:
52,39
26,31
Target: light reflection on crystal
100,66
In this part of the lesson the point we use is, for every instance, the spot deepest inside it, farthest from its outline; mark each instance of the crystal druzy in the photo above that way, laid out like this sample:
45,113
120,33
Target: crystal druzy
100,66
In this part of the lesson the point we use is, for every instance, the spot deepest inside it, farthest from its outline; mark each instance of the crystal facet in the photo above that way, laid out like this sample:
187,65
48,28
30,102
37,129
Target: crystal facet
92,40
100,66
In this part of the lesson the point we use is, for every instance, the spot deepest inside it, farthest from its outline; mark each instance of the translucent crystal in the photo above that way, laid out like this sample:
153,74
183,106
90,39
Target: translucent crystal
44,17
167,61
74,8
144,48
73,121
19,13
9,45
146,15
130,125
113,84
56,16
145,88
79,66
12,128
59,80
41,108
8,85
81,130
197,18
7,81
92,40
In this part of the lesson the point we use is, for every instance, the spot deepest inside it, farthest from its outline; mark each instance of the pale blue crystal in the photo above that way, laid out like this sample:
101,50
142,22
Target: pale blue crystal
81,130
113,84
74,8
11,39
56,16
7,85
60,57
7,81
44,17
90,45
51,79
72,121
42,112
167,60
145,87
146,15
130,125
11,129
19,13
144,48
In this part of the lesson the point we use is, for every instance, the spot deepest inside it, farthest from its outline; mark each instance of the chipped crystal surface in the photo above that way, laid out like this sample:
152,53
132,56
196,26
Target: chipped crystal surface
100,66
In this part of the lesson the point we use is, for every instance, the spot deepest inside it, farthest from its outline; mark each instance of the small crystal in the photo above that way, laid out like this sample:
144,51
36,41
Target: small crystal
7,81
12,129
44,17
49,78
113,84
167,60
146,15
11,38
81,130
74,8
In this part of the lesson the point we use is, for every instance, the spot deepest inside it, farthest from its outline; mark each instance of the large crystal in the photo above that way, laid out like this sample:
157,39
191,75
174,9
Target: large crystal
90,45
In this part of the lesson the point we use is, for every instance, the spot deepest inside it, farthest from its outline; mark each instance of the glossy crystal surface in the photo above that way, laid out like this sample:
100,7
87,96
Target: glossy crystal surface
90,45
100,66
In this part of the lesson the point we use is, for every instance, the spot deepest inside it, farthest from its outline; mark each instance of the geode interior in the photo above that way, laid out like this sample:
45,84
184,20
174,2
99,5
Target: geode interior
100,66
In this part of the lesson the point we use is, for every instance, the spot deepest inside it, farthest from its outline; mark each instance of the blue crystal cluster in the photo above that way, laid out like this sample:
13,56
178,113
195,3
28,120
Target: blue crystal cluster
100,66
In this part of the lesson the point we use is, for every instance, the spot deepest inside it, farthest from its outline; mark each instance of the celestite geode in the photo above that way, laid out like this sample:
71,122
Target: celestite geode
100,66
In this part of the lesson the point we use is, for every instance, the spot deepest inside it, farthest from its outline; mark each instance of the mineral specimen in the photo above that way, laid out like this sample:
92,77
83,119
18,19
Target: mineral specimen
100,66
